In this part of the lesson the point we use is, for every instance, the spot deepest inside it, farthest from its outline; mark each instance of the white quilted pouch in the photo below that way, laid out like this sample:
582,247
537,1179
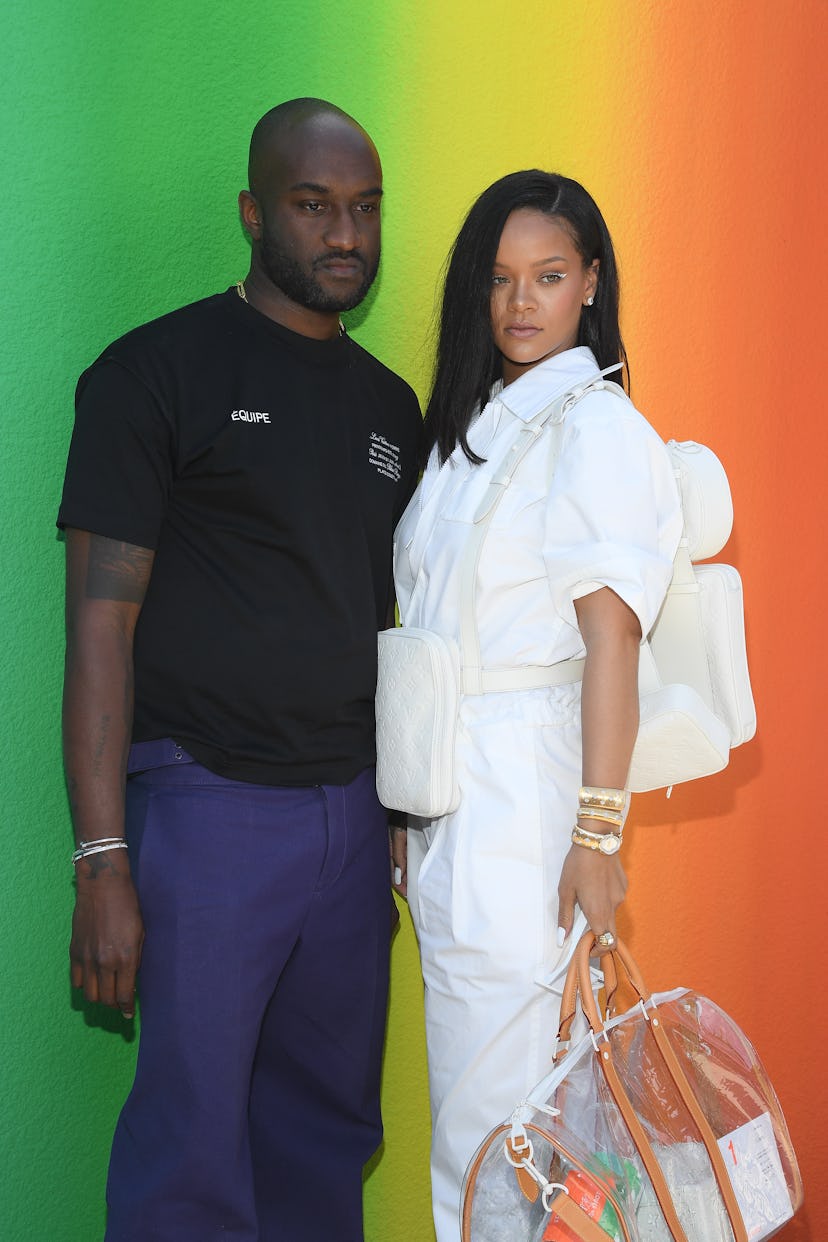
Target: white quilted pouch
417,705
723,618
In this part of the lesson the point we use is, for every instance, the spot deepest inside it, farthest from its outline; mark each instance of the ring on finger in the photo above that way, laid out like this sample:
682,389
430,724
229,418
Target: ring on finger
606,940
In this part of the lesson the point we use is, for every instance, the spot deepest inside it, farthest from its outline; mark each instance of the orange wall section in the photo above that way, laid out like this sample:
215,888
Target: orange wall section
729,330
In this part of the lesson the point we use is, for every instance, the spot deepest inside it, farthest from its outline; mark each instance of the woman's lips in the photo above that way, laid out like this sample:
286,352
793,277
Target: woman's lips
522,331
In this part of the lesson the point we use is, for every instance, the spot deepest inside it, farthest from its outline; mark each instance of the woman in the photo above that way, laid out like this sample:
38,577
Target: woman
575,564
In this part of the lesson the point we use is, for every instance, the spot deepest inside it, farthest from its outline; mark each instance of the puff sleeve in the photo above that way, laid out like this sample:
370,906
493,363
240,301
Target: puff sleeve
613,514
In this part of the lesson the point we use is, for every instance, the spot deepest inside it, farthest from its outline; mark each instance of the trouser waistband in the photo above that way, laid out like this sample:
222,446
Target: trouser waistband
161,752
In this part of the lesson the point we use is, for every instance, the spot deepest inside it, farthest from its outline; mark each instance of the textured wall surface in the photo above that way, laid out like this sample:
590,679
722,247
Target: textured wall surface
123,147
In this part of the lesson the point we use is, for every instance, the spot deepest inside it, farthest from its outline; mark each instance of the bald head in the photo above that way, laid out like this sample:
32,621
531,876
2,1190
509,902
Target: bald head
272,137
312,213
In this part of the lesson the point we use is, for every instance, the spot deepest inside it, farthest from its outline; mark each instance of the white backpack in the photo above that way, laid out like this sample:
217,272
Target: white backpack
696,700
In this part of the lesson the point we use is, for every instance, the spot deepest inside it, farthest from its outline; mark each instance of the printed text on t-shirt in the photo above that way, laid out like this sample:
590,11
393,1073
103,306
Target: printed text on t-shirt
384,456
250,416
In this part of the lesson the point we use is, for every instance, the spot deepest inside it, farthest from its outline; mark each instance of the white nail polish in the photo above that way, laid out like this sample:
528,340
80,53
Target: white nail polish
398,875
561,937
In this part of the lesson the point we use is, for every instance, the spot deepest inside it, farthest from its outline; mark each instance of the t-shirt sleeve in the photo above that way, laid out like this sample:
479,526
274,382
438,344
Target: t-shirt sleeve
120,467
614,515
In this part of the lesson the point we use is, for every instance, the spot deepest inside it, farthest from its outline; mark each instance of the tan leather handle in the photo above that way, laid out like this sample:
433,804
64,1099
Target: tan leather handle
579,967
642,1143
580,963
471,1179
578,985
569,998
619,954
722,1176
626,982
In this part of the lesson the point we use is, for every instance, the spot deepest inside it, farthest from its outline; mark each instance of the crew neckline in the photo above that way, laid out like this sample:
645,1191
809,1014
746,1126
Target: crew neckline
329,352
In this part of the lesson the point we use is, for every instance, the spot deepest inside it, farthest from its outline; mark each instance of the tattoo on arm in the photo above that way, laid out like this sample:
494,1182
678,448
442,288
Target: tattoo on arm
118,571
72,791
101,864
100,745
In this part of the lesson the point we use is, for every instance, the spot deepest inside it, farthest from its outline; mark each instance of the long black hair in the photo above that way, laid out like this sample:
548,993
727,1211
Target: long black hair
468,362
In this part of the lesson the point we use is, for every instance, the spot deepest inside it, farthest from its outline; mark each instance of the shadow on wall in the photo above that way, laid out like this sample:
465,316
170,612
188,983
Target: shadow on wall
103,1018
713,798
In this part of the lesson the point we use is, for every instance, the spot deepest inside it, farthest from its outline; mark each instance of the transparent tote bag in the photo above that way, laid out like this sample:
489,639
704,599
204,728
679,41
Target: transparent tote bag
660,1123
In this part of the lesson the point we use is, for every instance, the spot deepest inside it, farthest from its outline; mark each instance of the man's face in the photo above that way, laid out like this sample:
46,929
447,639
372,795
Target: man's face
320,216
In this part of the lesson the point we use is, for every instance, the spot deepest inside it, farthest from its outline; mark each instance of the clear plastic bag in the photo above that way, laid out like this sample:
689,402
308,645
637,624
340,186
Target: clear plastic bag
659,1124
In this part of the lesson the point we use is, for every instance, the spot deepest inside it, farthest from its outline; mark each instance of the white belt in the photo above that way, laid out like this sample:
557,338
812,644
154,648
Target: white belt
527,677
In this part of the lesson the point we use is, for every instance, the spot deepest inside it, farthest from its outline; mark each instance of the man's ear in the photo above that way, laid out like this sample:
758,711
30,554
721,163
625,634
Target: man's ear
251,217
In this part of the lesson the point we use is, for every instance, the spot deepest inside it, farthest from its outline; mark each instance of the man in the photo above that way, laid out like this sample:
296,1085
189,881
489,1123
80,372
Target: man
236,472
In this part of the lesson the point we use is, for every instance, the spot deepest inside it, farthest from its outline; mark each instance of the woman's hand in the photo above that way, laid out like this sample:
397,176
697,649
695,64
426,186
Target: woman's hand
399,859
597,883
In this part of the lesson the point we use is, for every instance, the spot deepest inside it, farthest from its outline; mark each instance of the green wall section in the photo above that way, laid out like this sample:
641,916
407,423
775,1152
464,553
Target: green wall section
124,145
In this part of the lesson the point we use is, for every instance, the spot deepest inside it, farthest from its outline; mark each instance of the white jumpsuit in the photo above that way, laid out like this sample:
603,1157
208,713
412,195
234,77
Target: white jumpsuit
483,881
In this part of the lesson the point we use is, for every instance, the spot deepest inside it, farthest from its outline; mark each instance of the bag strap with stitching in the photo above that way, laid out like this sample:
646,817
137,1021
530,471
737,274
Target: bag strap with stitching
579,967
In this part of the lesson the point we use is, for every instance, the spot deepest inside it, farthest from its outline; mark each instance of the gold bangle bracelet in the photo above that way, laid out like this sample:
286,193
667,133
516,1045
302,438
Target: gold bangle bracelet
606,799
607,817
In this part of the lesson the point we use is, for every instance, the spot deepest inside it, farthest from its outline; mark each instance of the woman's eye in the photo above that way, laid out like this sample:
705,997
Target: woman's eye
498,280
552,278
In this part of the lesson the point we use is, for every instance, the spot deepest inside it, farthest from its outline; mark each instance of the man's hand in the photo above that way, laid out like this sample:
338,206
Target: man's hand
107,932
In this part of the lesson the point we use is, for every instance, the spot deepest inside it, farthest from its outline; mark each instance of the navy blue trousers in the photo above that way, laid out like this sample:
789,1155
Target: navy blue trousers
263,990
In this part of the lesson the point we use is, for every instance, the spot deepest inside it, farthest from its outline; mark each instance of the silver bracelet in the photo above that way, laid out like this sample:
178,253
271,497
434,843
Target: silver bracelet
87,848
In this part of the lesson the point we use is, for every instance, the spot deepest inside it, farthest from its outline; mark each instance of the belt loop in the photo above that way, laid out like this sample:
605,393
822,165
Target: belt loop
162,752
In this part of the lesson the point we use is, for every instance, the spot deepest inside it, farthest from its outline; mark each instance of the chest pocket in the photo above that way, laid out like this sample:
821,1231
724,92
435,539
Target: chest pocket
519,489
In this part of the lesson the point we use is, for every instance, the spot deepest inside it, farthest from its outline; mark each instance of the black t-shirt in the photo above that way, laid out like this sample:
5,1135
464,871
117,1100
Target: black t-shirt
267,471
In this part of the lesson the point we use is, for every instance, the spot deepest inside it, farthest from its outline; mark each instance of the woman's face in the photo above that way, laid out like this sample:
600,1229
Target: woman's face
539,286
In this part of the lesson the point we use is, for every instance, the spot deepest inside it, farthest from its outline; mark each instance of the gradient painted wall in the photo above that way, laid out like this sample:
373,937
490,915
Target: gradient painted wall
698,127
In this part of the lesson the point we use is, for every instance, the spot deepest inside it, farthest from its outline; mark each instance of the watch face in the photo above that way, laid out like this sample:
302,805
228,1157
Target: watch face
610,844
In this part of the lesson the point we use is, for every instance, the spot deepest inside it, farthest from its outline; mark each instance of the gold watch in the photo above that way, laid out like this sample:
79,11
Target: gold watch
604,842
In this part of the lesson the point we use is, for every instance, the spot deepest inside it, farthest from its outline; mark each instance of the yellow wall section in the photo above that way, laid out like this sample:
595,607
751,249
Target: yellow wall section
698,129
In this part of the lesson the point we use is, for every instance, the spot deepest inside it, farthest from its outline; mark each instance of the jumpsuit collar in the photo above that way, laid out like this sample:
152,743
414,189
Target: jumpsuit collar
527,396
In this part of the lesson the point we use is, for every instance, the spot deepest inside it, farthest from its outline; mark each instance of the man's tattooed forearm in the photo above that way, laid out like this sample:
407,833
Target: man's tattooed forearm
118,571
100,745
